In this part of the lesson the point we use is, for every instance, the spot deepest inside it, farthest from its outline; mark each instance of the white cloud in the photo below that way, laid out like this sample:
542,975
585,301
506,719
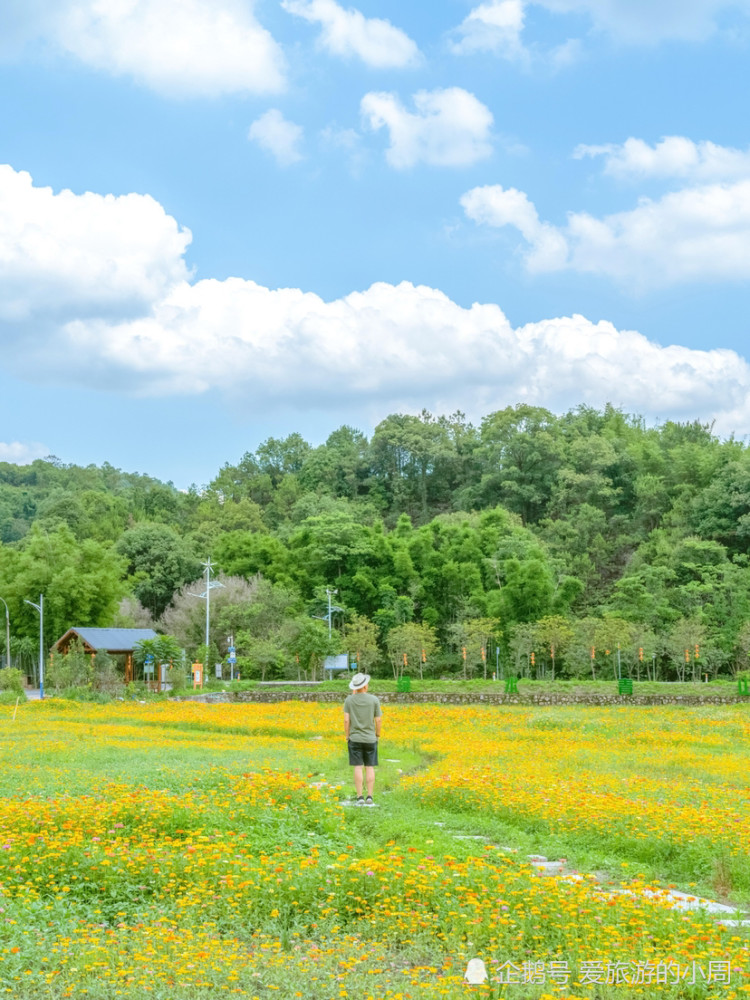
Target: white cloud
493,27
81,252
698,234
279,137
449,128
176,47
388,346
402,344
497,27
22,453
674,156
651,21
347,33
496,206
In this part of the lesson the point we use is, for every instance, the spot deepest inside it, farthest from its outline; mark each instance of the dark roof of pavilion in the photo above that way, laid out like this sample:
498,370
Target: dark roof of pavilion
111,640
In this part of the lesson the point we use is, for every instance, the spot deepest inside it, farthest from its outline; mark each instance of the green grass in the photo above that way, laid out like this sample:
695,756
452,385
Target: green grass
202,761
723,688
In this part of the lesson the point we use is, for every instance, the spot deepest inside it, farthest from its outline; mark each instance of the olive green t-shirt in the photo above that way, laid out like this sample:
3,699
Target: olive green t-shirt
362,708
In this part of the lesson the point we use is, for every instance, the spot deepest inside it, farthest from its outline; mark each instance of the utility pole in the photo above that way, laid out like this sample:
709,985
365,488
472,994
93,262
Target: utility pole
7,634
206,596
329,592
40,608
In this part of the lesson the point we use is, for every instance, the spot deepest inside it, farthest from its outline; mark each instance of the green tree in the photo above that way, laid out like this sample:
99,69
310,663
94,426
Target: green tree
413,641
361,638
685,645
162,649
521,449
159,562
521,646
308,640
263,658
81,582
553,634
185,615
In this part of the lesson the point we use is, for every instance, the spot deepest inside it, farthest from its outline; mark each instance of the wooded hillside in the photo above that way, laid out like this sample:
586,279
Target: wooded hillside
532,533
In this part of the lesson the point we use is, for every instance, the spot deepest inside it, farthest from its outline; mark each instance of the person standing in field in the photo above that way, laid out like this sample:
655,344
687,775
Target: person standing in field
362,721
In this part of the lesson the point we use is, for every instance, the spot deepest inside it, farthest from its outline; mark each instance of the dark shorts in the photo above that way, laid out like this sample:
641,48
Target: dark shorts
363,753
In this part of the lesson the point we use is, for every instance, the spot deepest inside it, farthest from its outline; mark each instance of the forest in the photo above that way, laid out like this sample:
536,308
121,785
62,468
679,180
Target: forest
574,545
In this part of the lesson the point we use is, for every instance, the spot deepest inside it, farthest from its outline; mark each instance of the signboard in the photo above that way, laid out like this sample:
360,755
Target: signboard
232,655
336,663
217,668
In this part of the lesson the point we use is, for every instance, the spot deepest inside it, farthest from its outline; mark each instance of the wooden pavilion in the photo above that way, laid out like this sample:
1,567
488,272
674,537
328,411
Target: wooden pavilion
118,642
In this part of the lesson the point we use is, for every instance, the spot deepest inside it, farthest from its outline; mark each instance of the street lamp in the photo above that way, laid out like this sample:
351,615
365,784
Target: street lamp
206,596
7,634
331,608
40,608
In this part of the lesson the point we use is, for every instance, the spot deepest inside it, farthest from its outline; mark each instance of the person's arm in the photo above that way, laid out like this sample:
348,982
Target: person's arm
346,726
378,723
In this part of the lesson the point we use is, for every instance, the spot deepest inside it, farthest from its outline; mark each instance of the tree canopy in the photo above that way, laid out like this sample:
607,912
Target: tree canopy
542,524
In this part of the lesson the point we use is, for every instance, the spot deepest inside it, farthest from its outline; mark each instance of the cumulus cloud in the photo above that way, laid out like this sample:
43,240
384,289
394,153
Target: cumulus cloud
697,234
389,345
279,137
348,33
448,128
74,253
176,47
22,453
672,157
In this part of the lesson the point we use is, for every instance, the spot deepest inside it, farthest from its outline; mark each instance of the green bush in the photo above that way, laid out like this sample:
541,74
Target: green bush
11,680
177,679
107,680
86,694
69,670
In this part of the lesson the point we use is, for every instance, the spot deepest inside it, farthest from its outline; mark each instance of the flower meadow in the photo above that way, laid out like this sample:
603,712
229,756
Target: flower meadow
190,850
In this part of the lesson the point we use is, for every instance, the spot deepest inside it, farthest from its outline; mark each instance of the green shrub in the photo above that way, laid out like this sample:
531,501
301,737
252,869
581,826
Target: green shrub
177,679
106,677
68,670
11,680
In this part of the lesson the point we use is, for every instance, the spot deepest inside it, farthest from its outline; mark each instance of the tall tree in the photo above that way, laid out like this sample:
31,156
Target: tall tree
159,562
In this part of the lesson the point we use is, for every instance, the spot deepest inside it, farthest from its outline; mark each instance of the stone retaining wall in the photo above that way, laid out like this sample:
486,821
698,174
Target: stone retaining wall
443,698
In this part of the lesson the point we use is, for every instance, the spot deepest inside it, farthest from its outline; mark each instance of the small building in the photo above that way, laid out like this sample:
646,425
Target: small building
118,642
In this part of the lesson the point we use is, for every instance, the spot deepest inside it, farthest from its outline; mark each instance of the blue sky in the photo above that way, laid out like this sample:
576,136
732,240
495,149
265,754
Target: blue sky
223,220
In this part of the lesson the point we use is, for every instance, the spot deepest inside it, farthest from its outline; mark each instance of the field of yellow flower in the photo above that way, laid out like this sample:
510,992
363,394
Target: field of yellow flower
185,851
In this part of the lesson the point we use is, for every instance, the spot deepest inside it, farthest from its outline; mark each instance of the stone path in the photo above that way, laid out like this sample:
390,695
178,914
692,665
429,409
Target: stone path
729,916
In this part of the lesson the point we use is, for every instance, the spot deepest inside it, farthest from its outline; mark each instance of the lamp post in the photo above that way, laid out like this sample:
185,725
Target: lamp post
331,608
206,596
7,634
40,608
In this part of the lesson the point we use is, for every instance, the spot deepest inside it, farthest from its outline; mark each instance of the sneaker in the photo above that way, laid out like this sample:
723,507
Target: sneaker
360,801
368,801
